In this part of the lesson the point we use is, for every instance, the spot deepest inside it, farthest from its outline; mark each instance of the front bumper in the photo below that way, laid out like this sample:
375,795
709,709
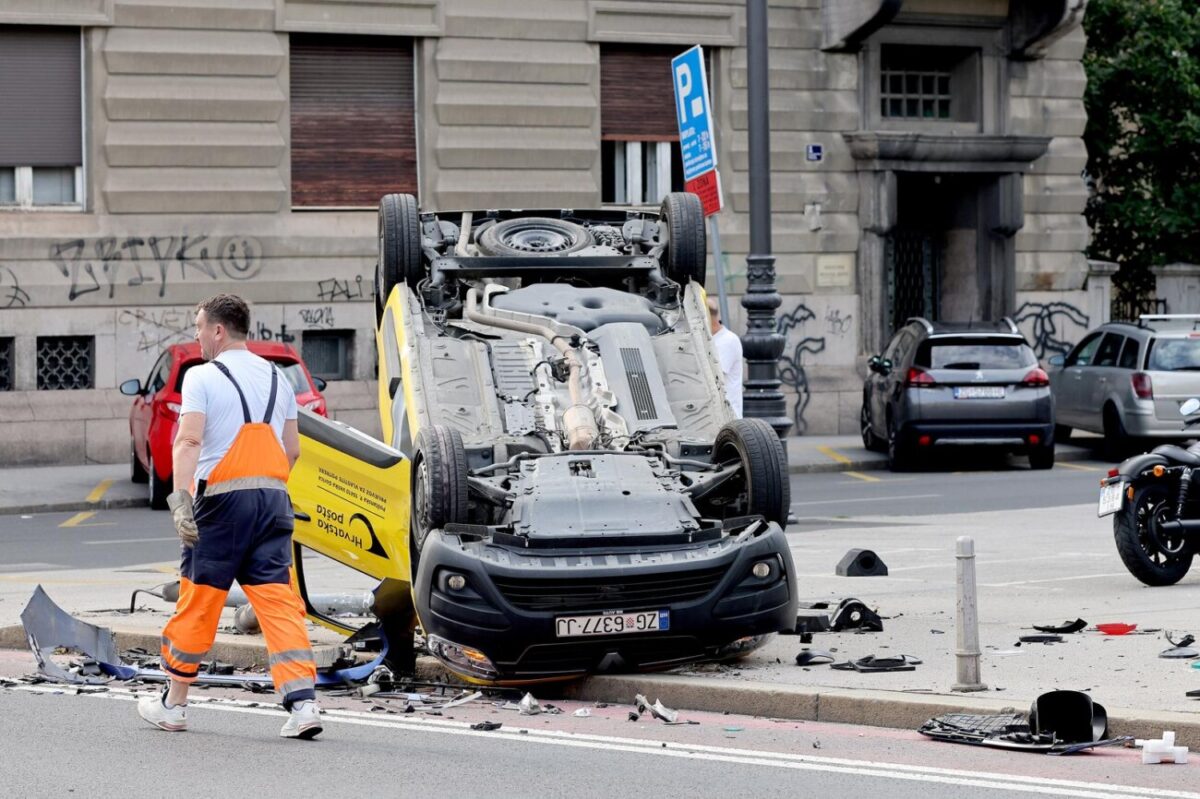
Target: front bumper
510,601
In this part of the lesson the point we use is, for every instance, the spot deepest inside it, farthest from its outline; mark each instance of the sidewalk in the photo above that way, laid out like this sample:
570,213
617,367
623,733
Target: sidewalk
50,489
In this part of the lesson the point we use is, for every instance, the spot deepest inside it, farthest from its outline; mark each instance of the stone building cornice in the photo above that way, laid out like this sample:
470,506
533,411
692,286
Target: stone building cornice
938,152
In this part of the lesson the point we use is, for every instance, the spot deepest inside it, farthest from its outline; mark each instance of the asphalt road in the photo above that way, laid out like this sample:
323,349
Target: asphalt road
113,753
958,486
86,540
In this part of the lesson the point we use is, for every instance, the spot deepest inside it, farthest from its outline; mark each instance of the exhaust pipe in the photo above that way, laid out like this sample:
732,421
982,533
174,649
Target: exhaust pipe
1181,527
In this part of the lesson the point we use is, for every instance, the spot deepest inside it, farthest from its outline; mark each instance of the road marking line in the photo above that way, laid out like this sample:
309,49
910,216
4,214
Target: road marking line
864,477
99,490
1077,467
1054,580
855,500
830,452
82,516
752,757
127,540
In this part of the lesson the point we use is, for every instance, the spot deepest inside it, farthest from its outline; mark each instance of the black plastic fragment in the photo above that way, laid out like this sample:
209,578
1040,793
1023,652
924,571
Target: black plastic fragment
852,614
1062,629
870,663
487,726
809,657
1041,639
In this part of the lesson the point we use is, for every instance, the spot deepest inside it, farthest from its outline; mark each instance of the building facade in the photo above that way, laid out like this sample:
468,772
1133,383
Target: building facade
926,160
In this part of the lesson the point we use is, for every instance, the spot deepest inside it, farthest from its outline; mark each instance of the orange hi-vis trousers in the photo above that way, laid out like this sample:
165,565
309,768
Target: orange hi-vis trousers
245,521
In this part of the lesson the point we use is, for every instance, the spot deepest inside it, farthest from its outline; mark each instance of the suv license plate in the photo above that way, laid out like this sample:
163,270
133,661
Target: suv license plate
1112,496
979,392
646,621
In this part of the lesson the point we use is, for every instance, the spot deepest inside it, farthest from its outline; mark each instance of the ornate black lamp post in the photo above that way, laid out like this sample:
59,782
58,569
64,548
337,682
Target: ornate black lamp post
761,345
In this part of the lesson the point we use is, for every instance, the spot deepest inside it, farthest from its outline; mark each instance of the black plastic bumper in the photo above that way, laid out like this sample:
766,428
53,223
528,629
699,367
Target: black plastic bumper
508,607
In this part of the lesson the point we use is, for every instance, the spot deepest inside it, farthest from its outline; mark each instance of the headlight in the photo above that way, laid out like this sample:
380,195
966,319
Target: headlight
462,658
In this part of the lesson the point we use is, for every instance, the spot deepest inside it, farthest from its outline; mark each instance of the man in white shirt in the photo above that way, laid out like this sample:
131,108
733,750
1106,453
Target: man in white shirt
237,441
729,356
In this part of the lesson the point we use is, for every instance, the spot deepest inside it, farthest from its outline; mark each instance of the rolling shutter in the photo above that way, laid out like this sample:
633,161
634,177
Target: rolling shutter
40,97
353,131
637,98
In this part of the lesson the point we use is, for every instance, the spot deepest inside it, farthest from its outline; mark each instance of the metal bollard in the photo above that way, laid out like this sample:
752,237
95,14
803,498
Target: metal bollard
967,656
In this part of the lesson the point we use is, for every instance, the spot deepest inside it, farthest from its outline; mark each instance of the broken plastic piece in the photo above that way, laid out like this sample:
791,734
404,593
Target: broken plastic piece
663,713
529,705
582,713
861,563
1062,629
1187,640
47,627
1042,638
1116,628
852,614
1182,652
487,726
872,663
1162,750
808,657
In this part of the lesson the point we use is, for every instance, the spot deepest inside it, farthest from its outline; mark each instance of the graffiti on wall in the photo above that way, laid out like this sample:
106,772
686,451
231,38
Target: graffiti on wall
11,293
792,326
1049,322
317,318
334,289
155,329
264,332
106,264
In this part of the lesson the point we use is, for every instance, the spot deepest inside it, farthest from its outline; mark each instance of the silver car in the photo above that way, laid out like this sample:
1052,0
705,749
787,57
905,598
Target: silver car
1127,380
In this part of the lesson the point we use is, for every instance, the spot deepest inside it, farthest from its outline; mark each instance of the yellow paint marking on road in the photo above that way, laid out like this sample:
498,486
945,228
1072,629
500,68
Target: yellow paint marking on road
82,516
865,477
832,453
1078,467
99,490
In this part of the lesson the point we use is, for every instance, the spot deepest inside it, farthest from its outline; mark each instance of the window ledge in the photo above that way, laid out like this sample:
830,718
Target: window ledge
942,151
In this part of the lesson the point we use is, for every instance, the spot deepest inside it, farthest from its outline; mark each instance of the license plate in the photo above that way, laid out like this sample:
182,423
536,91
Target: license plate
646,621
1112,496
979,392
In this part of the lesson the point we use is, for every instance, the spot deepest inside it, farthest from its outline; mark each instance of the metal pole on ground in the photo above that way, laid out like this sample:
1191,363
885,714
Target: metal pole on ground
967,654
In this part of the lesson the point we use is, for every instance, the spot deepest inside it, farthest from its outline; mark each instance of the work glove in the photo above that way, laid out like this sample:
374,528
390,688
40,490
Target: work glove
180,503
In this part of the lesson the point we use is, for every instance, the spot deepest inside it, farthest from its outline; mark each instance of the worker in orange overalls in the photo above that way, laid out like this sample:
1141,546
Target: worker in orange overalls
236,444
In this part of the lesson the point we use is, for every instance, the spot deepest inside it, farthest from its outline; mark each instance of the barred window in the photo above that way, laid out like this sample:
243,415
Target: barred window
6,364
66,362
928,83
327,353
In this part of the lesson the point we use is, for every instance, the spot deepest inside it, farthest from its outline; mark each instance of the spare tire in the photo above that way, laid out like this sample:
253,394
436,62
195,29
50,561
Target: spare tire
439,481
399,247
764,489
684,258
533,235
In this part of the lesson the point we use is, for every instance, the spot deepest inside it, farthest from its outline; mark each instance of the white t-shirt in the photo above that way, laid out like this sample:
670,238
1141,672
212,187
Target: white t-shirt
729,356
207,391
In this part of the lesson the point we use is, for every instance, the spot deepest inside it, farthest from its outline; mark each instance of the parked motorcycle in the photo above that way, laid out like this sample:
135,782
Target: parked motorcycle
1156,508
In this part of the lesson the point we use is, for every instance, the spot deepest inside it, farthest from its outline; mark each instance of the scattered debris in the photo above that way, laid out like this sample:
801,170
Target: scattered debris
872,663
1181,648
658,710
1162,750
487,726
1042,638
937,632
582,713
528,706
1062,629
861,563
852,614
808,657
733,729
1059,722
634,715
1116,628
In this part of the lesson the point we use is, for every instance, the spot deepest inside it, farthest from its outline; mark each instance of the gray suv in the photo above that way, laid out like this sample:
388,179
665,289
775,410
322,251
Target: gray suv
1127,380
943,384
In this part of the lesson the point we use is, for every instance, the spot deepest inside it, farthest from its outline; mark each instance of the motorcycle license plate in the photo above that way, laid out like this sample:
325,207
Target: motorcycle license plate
646,621
1111,498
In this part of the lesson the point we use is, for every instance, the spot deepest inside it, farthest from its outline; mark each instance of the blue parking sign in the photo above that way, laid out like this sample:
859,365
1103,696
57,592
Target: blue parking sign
693,111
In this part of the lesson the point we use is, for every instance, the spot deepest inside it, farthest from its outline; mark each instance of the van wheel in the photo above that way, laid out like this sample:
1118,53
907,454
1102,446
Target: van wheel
686,251
763,489
439,482
399,247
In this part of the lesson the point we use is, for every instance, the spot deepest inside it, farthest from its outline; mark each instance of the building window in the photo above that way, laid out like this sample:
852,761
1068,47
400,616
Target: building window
66,362
327,353
928,83
639,134
353,129
6,364
41,138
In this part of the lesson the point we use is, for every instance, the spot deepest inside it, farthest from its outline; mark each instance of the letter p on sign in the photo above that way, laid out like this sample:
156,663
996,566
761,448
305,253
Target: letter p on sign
683,87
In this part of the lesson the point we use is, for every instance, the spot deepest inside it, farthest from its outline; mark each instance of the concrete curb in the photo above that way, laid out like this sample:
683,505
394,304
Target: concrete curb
73,506
868,707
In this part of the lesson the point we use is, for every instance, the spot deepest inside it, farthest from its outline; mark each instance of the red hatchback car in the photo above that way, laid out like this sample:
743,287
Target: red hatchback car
154,416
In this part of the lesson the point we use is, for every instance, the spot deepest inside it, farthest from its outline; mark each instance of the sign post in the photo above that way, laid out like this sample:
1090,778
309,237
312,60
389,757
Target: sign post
693,111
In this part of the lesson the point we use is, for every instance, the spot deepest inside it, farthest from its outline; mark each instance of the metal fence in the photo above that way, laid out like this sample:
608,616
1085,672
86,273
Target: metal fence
1128,309
66,362
6,364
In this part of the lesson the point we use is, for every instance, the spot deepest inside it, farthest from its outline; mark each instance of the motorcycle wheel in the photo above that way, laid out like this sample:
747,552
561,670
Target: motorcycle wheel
1149,554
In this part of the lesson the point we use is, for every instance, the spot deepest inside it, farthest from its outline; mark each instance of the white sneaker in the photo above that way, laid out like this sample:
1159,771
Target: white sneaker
171,719
304,722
